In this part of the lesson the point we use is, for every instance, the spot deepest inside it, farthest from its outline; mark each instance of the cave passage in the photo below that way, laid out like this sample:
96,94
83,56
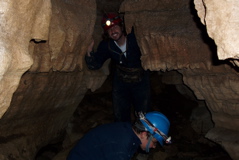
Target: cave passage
95,109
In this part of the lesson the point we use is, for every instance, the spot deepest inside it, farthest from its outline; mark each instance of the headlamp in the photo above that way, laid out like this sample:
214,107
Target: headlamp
154,129
108,23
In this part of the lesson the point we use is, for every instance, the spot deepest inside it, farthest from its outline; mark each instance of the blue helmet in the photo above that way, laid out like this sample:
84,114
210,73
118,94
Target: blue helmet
157,124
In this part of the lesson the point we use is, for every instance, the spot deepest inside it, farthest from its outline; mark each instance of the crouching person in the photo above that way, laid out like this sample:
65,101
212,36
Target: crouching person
121,140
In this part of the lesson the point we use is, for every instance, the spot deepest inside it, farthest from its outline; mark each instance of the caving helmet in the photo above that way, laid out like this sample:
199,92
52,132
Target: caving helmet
110,19
157,124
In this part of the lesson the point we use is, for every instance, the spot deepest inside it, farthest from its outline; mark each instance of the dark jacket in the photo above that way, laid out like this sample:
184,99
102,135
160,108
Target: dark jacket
114,141
108,49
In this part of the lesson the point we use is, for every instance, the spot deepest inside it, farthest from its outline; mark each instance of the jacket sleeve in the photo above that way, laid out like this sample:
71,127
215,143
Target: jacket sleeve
97,59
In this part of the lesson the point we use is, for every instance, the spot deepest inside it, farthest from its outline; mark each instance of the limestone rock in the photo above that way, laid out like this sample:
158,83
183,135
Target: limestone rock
221,20
43,44
20,22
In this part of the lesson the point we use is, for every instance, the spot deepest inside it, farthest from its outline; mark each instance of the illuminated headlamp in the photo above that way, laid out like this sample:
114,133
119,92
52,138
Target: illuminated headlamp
108,23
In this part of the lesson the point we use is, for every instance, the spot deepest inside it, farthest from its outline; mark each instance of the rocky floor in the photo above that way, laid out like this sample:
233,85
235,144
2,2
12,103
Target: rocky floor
95,109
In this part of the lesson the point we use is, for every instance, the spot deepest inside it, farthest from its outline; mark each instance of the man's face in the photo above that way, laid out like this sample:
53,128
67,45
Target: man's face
144,141
115,32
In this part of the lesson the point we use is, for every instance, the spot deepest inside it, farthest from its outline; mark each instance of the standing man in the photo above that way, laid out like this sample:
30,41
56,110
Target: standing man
131,83
120,140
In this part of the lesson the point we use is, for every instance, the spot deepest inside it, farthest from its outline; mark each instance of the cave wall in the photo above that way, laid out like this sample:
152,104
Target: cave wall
172,38
15,36
221,21
44,78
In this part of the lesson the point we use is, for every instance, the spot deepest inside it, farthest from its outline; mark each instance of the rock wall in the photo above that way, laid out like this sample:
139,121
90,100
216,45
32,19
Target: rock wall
17,30
221,20
172,38
44,78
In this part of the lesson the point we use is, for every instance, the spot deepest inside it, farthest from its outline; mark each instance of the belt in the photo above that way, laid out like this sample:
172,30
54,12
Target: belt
129,69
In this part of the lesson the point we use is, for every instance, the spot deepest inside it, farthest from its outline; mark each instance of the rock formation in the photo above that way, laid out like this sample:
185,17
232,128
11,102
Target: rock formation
44,77
170,37
221,22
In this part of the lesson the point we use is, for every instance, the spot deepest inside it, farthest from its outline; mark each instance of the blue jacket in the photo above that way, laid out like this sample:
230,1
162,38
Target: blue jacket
108,49
114,141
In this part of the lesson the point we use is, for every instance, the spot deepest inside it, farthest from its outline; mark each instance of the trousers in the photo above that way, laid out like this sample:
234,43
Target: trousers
127,95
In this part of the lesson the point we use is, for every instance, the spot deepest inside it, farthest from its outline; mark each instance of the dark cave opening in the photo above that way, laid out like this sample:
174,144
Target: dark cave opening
49,151
95,109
